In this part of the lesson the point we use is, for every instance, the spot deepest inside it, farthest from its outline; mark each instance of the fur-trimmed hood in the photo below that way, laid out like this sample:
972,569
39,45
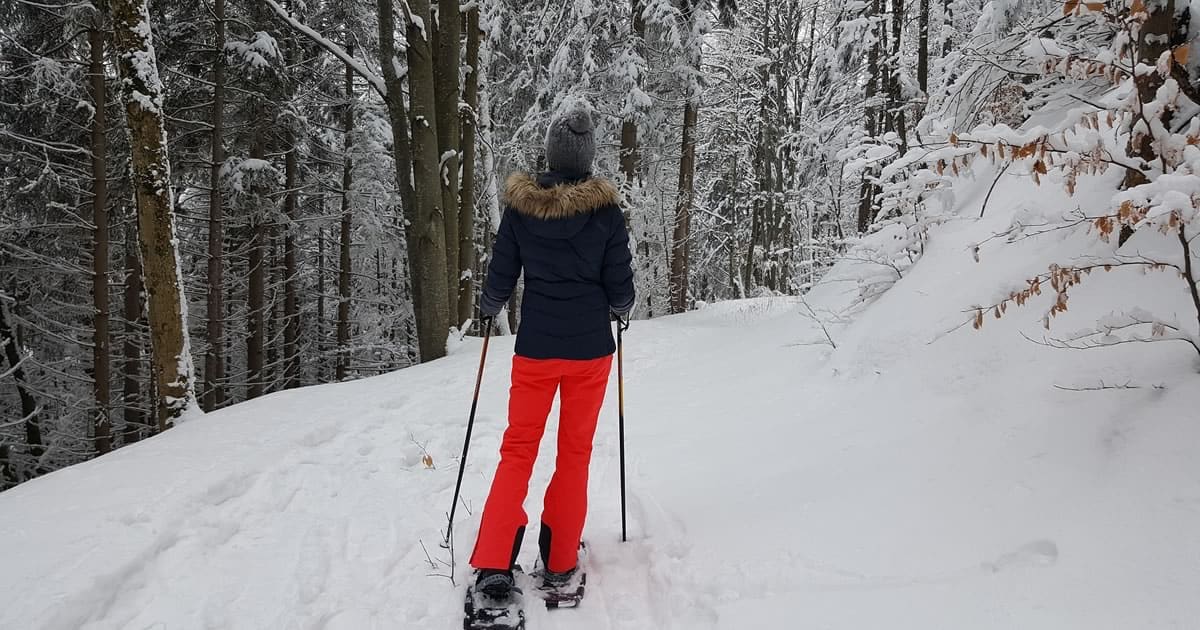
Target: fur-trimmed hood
523,192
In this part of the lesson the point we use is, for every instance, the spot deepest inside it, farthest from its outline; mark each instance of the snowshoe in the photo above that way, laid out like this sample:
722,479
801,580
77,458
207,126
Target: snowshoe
494,602
562,590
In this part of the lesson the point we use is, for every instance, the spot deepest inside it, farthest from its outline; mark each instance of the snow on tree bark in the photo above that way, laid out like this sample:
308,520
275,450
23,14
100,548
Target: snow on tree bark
1153,40
426,230
447,94
467,251
143,94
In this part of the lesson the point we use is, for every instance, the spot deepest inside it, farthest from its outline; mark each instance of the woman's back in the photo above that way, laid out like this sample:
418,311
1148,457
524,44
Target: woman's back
568,234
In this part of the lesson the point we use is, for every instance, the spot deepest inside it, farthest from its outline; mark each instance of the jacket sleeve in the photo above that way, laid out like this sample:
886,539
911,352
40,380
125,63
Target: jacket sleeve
503,269
618,268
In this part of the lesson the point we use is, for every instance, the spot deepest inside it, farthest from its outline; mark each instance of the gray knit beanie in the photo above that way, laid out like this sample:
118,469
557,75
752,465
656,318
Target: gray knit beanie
570,145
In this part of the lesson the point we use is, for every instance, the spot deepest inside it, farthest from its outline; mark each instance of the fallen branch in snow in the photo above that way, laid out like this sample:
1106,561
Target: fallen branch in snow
1085,343
939,336
1103,386
812,314
433,565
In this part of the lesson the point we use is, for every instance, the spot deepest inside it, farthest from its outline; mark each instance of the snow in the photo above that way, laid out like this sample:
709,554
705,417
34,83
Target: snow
418,23
1041,48
259,52
851,460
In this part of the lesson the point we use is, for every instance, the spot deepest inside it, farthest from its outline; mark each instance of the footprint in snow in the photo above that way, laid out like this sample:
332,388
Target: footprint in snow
1039,553
230,488
319,437
394,403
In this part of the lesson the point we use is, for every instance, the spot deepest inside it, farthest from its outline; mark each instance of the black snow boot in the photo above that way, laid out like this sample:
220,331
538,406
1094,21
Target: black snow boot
495,583
557,581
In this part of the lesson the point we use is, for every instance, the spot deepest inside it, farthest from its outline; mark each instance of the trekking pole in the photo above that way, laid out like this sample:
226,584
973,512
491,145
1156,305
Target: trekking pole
621,326
462,464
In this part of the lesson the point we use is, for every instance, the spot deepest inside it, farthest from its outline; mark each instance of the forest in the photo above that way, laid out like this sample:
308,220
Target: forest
205,202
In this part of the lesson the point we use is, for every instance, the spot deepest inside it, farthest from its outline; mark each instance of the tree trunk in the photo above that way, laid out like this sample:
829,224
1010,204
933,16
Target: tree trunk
102,422
256,287
629,126
895,98
8,475
291,271
321,345
467,254
923,48
681,237
131,368
29,407
151,171
446,90
947,26
214,358
868,189
871,89
344,269
274,315
416,174
427,233
762,223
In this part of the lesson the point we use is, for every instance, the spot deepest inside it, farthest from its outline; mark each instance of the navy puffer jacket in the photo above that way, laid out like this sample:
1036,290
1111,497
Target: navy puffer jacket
569,236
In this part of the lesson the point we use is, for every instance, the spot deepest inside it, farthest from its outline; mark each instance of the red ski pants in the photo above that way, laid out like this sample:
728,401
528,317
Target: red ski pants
534,381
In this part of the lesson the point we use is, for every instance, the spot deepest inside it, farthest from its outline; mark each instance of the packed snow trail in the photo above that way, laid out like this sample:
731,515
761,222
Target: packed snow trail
919,475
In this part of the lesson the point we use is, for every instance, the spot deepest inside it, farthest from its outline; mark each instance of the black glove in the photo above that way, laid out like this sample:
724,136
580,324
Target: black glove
489,309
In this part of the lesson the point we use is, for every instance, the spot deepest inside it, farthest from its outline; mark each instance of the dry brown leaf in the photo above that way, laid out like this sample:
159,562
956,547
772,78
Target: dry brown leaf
1181,54
427,459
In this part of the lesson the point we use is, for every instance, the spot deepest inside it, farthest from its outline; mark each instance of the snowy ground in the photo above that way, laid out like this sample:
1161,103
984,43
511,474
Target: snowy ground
921,475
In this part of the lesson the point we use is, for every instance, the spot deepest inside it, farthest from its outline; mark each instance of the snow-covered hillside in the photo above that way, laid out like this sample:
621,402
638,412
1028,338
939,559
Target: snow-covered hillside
919,475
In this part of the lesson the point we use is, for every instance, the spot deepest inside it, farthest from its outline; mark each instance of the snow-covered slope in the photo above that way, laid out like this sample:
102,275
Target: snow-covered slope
919,475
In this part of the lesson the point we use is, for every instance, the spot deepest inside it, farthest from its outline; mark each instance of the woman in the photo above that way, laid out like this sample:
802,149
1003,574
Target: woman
564,228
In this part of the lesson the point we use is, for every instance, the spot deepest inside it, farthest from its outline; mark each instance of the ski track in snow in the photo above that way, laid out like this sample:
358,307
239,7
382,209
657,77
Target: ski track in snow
911,478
